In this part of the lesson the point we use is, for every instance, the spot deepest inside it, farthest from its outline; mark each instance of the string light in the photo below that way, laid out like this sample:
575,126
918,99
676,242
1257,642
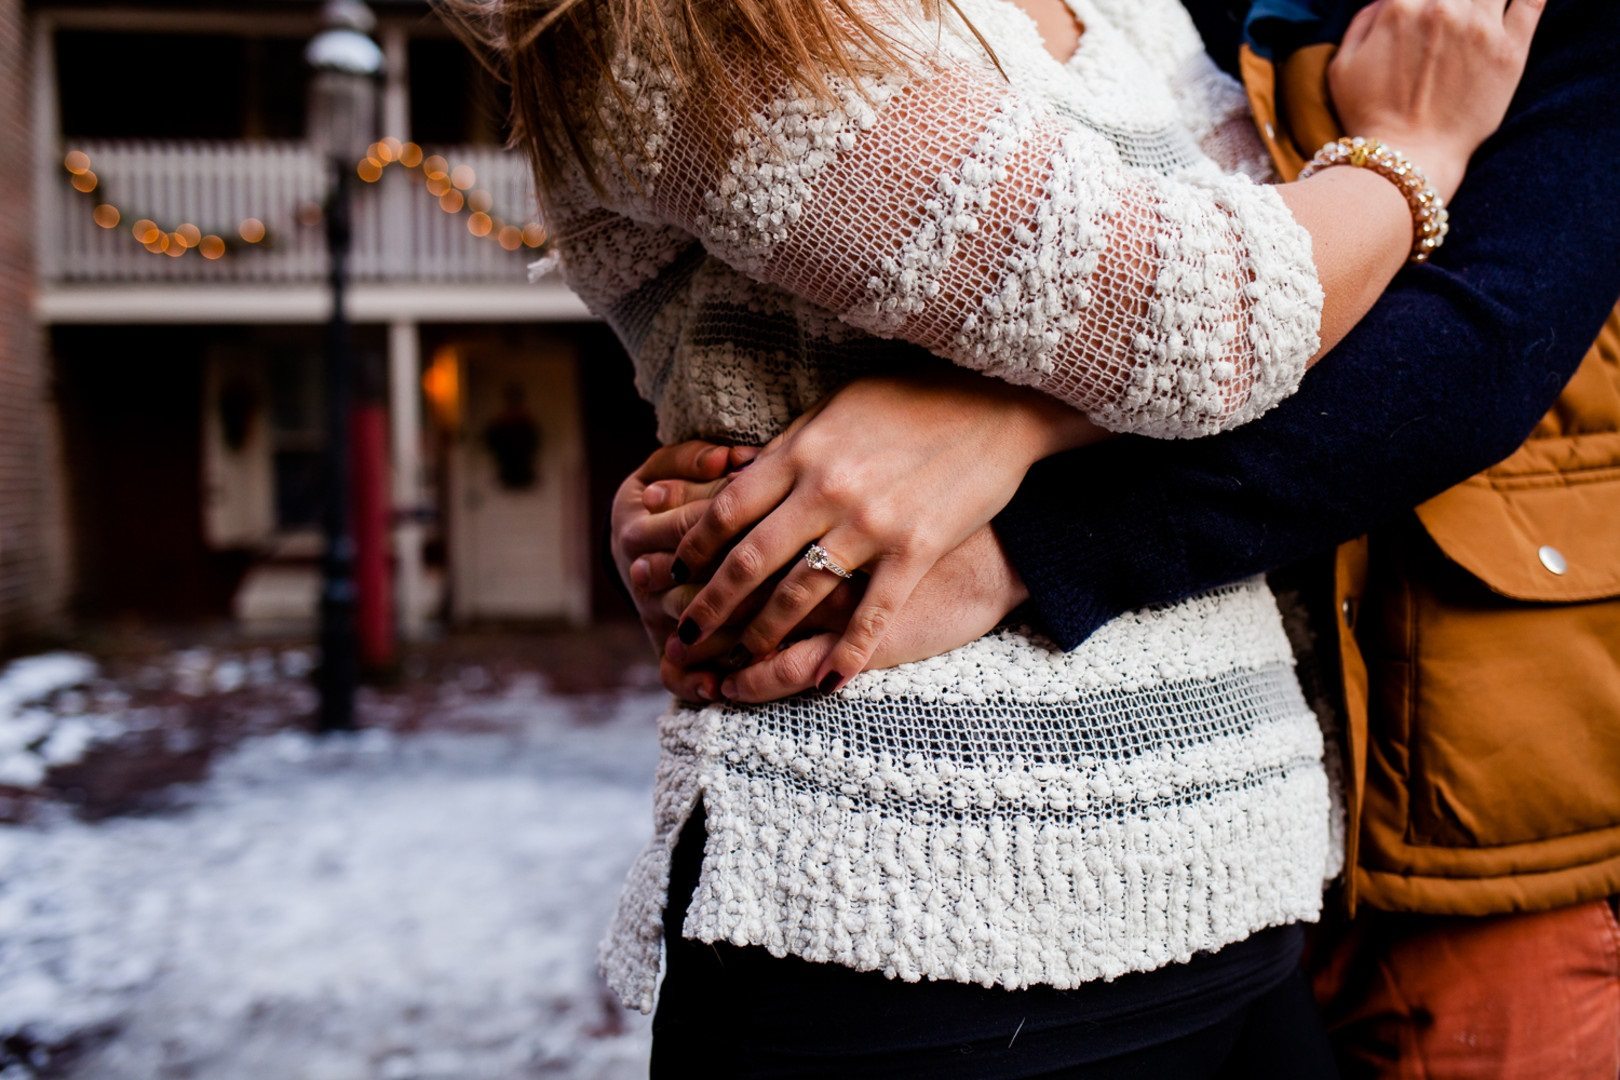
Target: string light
174,243
453,186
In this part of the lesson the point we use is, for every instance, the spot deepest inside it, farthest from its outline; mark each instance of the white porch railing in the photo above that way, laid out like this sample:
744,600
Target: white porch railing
400,231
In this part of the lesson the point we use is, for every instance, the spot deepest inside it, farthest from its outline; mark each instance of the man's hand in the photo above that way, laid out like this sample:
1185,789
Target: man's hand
651,512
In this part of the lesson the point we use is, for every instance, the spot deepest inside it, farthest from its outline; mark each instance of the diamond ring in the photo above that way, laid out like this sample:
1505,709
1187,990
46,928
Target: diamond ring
816,556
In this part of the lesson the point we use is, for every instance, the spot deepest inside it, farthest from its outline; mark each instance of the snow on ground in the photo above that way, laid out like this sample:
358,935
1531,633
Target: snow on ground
375,907
34,738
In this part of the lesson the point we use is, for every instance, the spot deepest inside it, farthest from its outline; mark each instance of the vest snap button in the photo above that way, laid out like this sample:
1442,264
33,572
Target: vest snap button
1553,559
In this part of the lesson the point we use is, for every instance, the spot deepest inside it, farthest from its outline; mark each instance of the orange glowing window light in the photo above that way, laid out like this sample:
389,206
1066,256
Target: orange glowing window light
441,385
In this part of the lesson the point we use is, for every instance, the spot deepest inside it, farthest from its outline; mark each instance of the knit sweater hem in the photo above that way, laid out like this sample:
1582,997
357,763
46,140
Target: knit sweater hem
995,898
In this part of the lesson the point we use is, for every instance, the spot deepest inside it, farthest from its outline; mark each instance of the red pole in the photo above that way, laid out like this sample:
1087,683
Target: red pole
375,615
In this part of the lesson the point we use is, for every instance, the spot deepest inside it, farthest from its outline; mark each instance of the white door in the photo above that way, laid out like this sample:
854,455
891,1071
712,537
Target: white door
519,538
238,481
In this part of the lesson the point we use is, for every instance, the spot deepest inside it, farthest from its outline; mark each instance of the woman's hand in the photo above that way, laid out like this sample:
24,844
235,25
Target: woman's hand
962,597
1432,78
888,474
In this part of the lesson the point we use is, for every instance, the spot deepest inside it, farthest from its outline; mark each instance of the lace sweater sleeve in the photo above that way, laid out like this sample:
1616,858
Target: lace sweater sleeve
953,211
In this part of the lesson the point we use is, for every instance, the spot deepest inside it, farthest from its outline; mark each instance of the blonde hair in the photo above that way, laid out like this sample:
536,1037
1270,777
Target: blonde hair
556,55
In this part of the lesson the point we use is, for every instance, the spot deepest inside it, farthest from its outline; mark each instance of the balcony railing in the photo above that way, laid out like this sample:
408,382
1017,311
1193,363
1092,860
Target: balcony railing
401,232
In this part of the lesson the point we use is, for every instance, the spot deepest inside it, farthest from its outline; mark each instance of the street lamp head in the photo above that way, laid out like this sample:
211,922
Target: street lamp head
347,64
348,52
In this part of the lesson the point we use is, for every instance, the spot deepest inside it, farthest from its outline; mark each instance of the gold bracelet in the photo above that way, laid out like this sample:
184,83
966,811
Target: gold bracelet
1429,217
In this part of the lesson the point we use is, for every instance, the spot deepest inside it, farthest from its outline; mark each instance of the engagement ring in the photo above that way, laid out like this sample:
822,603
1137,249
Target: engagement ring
817,557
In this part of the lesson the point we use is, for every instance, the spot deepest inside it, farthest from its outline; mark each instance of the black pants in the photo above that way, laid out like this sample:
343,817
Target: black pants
728,1011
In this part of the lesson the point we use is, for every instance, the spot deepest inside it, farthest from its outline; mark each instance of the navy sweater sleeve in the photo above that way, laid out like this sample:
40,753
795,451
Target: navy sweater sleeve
1446,376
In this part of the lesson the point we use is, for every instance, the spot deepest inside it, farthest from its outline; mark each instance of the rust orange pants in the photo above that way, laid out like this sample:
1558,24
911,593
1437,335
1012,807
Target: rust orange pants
1512,997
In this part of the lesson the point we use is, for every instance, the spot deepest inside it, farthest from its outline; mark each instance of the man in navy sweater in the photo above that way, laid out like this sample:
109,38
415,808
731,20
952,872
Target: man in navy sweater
1446,376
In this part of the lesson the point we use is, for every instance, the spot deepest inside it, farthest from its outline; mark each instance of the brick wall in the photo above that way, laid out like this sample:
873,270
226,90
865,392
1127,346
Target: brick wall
27,569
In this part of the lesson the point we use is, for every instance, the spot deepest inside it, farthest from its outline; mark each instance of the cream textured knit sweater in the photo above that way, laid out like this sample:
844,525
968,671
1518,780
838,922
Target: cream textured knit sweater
1005,813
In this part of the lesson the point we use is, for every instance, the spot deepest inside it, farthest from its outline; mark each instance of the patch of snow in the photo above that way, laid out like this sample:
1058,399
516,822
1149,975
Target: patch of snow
35,678
375,907
33,739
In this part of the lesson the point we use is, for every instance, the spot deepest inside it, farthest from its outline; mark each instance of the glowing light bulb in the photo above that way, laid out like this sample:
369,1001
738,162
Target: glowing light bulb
77,162
370,170
435,167
410,155
189,235
211,246
480,224
252,230
463,177
85,181
107,216
480,200
510,238
451,202
534,234
146,231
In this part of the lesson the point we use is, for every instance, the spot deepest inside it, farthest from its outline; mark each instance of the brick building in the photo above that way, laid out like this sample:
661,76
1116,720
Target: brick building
29,569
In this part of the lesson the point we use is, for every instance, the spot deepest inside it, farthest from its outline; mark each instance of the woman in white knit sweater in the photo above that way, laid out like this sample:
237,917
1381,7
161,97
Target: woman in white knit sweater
1004,860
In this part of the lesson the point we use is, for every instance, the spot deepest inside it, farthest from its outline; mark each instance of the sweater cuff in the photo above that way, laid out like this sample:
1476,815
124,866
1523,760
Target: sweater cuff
1089,556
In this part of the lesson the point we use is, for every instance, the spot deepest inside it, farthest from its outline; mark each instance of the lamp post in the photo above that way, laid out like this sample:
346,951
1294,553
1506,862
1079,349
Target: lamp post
347,64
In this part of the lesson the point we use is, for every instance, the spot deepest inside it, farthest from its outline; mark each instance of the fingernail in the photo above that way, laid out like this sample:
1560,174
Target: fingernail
728,689
708,460
679,571
688,632
739,657
655,497
830,683
704,692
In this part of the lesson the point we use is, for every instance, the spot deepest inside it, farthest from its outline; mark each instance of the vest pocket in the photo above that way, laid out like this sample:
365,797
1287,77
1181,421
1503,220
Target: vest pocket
1501,680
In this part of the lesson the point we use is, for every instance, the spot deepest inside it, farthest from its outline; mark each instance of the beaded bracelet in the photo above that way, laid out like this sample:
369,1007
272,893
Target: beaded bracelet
1429,217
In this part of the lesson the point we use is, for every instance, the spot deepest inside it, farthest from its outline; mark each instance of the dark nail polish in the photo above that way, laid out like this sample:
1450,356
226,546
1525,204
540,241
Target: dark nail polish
739,657
679,571
688,632
830,683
